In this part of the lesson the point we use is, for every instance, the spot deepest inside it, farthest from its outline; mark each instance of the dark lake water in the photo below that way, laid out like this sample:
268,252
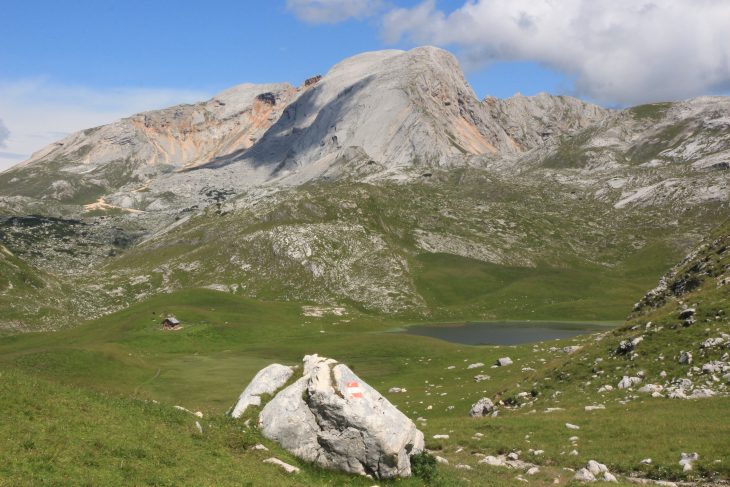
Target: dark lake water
505,332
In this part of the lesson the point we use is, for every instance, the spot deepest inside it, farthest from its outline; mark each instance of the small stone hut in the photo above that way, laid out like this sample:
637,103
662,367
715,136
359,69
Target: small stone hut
170,323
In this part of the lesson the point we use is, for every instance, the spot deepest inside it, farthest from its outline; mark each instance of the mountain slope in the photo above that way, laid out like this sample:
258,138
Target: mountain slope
394,109
100,160
384,186
30,299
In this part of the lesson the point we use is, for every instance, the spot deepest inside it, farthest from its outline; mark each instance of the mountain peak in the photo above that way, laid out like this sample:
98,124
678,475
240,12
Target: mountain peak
400,109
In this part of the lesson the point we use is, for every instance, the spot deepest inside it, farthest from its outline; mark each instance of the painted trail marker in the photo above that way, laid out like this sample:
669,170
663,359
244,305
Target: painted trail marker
353,390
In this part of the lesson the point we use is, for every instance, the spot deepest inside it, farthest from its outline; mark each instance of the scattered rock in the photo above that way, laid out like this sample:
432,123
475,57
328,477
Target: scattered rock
259,447
584,475
441,460
651,388
702,393
532,471
628,382
592,471
483,407
713,342
686,313
572,426
477,365
284,466
626,346
640,481
715,367
440,437
596,468
609,477
685,358
481,378
199,427
687,460
493,461
595,407
396,390
504,361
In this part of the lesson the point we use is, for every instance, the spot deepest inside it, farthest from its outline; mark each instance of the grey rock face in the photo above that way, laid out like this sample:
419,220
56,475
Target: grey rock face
534,120
267,381
376,101
151,144
333,418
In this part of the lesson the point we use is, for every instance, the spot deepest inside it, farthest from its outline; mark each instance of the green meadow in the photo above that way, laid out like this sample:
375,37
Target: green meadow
93,405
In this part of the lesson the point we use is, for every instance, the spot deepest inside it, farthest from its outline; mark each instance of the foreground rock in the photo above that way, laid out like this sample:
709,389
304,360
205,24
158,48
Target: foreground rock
333,418
269,380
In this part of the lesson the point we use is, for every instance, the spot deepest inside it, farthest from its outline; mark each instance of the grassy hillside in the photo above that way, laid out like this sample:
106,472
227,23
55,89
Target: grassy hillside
120,363
463,244
29,297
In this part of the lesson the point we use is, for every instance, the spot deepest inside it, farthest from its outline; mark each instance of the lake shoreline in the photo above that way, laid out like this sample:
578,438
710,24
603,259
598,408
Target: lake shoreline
505,332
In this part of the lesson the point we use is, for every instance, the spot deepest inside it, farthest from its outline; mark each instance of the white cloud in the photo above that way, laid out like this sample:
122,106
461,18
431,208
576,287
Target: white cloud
617,51
38,112
332,11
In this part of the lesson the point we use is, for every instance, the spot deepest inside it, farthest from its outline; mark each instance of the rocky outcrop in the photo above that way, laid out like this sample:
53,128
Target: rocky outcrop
268,380
401,108
331,417
531,121
313,80
149,145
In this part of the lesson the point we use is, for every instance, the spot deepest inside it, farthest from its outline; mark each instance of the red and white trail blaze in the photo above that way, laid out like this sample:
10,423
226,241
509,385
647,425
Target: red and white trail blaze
353,390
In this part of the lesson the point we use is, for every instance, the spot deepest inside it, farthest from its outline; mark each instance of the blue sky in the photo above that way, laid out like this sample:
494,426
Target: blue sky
65,66
205,46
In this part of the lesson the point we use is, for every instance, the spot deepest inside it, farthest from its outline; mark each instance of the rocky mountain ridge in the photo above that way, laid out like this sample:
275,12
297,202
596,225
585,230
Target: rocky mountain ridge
391,109
375,185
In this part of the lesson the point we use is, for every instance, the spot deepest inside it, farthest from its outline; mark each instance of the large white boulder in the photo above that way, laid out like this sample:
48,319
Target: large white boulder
333,418
268,380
